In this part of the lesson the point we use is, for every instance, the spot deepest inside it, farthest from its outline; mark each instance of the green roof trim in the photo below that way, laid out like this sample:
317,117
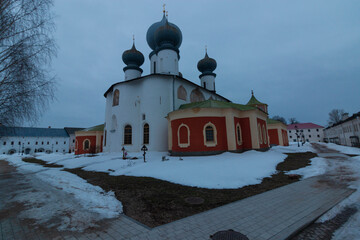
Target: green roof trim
272,121
95,128
216,104
254,101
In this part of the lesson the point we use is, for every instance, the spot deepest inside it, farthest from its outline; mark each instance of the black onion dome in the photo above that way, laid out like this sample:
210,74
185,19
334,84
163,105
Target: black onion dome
133,57
168,36
151,32
206,65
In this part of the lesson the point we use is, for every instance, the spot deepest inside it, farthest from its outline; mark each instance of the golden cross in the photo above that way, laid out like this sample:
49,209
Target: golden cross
164,7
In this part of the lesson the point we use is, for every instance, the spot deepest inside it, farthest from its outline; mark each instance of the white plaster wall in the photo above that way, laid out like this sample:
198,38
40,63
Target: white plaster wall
209,80
72,143
131,74
344,131
150,97
167,62
311,134
56,144
152,60
154,97
189,88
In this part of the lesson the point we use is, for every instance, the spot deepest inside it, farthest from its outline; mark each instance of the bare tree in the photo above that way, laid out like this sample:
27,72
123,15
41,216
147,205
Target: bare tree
281,119
293,121
335,116
26,49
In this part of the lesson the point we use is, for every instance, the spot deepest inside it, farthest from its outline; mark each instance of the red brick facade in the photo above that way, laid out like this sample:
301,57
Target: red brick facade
192,129
245,133
274,137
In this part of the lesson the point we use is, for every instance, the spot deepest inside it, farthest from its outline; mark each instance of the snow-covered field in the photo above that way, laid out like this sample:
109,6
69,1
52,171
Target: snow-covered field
343,149
227,170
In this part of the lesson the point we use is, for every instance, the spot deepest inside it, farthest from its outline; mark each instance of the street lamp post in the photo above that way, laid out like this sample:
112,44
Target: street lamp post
144,148
297,135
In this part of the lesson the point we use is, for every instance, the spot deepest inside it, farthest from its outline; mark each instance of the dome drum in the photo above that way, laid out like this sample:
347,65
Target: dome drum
134,67
207,73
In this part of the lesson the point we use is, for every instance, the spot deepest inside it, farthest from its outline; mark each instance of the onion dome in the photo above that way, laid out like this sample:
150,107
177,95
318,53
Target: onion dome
151,32
164,35
133,58
207,65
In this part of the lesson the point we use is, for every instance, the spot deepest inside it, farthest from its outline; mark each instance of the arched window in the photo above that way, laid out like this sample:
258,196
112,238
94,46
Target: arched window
113,123
181,93
210,135
259,133
183,136
76,145
146,133
116,97
196,96
86,145
238,134
127,134
264,134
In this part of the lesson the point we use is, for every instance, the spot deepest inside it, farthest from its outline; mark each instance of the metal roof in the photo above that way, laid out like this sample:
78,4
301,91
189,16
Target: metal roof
216,104
32,132
70,130
303,126
94,128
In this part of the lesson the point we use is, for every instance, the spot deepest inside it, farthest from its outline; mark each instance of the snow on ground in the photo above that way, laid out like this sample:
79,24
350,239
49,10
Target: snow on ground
343,149
226,170
87,197
318,166
293,148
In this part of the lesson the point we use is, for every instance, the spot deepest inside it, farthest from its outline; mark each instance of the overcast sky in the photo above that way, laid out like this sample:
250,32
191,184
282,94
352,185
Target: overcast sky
302,58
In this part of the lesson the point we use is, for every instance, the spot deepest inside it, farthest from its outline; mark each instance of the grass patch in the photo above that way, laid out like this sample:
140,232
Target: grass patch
41,162
155,202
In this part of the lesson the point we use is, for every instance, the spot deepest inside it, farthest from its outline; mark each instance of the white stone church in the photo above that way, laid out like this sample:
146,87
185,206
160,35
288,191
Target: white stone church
136,108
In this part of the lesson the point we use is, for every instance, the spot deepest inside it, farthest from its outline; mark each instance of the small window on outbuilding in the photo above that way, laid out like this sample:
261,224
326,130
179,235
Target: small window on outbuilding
210,135
86,144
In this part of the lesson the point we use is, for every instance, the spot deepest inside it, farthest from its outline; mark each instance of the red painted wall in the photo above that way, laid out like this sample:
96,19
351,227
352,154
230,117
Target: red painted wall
196,126
245,132
263,123
80,143
285,137
274,136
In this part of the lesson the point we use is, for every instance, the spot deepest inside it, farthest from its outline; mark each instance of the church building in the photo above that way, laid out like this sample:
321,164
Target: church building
167,112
